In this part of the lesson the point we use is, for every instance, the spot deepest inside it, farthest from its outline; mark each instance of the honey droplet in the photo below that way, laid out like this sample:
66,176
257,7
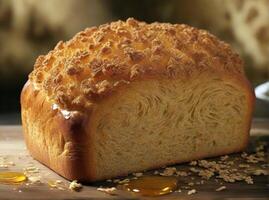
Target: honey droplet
12,177
152,185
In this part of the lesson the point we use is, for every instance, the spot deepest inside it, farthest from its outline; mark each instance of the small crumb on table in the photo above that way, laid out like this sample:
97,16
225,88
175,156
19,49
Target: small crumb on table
111,190
221,188
190,192
75,186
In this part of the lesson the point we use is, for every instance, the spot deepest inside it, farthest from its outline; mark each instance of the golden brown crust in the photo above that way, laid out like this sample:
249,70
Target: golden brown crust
62,145
98,60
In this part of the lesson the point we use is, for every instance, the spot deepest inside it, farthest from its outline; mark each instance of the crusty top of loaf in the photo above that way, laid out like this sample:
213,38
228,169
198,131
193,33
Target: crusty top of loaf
100,59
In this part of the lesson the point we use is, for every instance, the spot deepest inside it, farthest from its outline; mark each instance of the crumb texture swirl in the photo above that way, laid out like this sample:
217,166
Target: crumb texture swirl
100,59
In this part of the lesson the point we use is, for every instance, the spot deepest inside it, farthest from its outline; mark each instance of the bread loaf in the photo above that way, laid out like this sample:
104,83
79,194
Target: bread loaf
130,96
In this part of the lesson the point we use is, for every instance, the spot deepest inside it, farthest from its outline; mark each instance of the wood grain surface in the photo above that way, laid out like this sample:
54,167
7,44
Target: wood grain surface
13,150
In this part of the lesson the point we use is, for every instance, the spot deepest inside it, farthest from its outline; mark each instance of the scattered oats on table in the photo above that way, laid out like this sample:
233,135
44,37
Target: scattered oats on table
138,174
111,191
193,163
260,147
11,163
259,172
206,174
191,184
31,169
195,170
181,173
124,181
59,181
34,179
223,158
169,171
193,191
265,165
230,163
234,170
75,186
185,187
252,159
249,180
244,155
116,180
221,188
244,165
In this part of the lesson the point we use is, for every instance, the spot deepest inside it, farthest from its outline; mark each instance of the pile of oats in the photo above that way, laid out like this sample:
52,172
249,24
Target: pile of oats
226,169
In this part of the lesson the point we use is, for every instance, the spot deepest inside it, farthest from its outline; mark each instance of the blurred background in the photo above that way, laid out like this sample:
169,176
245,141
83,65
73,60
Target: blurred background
29,28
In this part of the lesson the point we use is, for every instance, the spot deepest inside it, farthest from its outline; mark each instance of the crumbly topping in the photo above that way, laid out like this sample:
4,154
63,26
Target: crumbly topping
93,63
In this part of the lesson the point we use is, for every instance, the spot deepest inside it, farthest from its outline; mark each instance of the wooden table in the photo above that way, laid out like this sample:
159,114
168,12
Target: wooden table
13,149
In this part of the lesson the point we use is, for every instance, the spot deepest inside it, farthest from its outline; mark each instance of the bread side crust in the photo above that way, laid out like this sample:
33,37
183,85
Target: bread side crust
243,82
251,98
61,144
